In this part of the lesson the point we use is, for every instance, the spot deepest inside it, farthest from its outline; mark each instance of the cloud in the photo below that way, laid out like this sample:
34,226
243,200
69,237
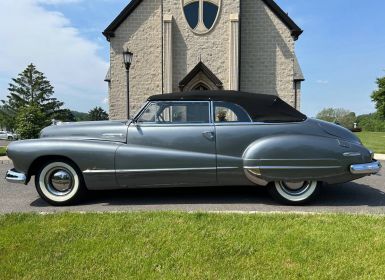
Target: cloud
324,82
31,33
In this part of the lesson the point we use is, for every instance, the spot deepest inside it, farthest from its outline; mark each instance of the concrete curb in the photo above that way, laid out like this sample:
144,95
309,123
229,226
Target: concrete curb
379,156
4,160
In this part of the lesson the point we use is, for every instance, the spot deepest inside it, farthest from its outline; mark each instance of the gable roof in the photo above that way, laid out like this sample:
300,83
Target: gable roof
200,67
296,31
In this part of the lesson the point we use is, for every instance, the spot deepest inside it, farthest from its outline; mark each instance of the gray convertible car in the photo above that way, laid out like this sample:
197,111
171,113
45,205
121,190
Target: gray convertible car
194,139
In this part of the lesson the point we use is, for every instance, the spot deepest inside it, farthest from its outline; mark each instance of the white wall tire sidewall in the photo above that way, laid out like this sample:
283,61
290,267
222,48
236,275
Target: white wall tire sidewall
49,195
300,198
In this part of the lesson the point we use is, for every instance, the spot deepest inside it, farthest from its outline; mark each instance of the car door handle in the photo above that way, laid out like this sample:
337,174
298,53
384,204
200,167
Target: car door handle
209,135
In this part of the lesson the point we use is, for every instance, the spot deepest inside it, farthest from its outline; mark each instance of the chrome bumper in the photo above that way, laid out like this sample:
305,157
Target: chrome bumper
366,168
14,176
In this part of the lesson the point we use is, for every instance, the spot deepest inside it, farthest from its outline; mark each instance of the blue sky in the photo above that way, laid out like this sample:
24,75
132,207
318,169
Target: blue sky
342,49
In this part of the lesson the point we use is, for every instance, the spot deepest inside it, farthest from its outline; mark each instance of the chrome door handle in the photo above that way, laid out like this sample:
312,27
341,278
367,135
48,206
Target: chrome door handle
209,135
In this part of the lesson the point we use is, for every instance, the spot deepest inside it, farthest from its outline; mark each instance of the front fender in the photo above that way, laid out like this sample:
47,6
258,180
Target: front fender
303,157
86,154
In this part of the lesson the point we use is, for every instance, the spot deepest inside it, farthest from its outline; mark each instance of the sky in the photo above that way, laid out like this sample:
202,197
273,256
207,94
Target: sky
341,52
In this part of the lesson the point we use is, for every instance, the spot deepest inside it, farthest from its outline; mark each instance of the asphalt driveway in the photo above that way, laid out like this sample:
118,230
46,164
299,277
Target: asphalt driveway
366,195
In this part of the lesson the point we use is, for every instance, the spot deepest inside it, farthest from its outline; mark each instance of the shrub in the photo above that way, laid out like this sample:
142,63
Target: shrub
371,122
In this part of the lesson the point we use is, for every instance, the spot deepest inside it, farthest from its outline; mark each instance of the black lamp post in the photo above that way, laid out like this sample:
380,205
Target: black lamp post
127,56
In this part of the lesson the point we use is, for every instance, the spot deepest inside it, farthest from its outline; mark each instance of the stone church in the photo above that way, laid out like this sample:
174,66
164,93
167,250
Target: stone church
183,45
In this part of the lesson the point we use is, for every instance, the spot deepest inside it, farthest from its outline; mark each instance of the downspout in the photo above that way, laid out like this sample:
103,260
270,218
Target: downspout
162,48
240,46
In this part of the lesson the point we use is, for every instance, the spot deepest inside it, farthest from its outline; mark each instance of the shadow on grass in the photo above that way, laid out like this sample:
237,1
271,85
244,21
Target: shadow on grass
339,195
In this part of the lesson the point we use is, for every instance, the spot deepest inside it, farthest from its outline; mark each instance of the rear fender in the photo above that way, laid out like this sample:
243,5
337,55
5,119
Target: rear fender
302,157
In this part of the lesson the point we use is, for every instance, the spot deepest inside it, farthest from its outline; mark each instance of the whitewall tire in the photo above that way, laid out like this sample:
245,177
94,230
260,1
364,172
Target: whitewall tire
59,183
295,193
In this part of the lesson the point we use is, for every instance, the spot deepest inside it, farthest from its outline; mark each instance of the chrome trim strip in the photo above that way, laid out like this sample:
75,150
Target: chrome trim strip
101,171
351,154
366,168
13,176
290,167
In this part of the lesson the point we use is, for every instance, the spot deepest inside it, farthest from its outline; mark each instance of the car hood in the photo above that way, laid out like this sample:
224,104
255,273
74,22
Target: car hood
115,131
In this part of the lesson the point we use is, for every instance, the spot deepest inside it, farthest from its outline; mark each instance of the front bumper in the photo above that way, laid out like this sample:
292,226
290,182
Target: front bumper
13,176
366,168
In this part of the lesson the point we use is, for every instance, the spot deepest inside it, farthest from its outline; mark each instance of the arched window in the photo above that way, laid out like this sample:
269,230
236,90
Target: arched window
201,14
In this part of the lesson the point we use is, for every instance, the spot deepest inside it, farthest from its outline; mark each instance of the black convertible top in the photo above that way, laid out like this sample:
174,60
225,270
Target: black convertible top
261,107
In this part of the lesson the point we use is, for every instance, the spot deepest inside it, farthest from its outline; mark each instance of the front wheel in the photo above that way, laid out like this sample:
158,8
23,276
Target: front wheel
59,183
294,193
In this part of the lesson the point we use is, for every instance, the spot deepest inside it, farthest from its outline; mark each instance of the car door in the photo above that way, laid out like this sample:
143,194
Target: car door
170,143
3,135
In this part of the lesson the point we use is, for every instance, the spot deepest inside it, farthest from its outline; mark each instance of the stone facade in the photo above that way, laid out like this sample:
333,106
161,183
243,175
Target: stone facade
267,52
263,60
141,33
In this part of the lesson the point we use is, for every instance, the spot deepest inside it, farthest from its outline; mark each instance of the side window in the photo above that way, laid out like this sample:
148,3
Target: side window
176,113
226,112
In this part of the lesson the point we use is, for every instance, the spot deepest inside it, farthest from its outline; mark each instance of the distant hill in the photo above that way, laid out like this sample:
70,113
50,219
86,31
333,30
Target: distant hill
80,116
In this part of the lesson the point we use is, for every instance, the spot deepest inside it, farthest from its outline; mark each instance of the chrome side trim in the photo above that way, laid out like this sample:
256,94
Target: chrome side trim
13,176
290,167
100,171
366,168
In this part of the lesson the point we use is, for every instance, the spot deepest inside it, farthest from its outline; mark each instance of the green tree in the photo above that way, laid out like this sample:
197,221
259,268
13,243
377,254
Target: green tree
339,115
98,114
30,121
378,96
31,89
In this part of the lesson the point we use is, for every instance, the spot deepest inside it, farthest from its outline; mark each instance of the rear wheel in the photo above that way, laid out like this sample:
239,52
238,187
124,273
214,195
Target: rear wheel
10,138
59,183
294,193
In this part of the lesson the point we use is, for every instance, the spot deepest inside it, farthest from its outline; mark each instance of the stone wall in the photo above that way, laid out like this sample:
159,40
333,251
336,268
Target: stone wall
141,33
212,48
267,52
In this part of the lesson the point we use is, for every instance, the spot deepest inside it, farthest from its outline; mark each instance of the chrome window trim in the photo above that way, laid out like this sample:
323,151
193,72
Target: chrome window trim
210,122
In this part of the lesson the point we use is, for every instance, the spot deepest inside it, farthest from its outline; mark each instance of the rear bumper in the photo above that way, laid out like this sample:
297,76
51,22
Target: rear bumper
366,168
14,176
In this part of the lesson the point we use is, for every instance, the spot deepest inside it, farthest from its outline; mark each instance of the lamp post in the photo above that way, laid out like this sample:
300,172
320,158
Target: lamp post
127,56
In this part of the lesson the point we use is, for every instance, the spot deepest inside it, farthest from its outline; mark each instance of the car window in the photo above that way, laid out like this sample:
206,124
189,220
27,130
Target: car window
176,113
225,112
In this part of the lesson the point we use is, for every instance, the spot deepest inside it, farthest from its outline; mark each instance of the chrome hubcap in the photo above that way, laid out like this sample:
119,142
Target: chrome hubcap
59,181
295,188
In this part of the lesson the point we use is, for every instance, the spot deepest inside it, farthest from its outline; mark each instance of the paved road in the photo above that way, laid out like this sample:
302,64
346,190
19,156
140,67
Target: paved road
366,195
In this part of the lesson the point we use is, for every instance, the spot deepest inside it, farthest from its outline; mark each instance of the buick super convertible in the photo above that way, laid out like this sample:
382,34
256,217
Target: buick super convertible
194,139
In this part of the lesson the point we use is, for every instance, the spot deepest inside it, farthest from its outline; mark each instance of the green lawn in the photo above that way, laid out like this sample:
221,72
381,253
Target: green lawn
2,151
373,140
191,246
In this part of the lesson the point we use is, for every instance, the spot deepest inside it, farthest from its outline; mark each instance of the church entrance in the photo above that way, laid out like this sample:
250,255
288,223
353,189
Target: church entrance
201,87
200,78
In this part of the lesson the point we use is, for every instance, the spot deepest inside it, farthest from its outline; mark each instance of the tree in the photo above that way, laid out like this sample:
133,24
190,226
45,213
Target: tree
30,121
339,115
31,89
378,97
98,114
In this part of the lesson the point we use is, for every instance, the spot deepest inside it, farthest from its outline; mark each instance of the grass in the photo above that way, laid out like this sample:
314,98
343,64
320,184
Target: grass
191,246
2,151
373,140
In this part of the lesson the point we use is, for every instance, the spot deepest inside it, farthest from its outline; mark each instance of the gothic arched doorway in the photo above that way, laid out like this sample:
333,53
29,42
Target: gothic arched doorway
200,78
